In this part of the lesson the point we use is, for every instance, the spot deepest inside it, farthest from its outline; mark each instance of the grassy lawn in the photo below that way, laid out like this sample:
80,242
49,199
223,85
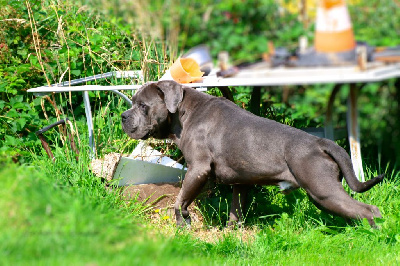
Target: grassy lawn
46,220
59,214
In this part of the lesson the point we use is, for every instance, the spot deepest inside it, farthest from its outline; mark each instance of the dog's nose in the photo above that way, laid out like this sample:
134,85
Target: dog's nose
124,116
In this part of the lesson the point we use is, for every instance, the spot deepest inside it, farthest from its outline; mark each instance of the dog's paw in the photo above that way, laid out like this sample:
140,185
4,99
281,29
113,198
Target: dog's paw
184,223
234,224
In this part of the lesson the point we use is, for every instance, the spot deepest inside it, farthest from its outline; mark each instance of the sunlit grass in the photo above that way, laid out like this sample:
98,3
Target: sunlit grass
59,213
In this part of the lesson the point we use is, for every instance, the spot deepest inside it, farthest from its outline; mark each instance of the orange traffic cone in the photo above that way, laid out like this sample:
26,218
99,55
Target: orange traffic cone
333,30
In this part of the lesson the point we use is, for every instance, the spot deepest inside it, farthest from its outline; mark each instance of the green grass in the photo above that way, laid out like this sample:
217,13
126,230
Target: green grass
59,214
55,215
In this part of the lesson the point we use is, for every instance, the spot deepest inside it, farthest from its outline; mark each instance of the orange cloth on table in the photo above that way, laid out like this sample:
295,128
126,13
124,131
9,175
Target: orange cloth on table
186,70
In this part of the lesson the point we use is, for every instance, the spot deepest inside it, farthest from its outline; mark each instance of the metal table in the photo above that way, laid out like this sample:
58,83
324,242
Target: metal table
264,76
352,75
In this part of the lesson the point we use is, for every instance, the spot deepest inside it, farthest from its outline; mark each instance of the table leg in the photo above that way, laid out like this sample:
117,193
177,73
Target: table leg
89,121
354,132
255,101
329,132
226,92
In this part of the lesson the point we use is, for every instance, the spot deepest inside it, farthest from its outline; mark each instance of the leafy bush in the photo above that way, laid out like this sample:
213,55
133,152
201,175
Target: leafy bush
44,43
243,28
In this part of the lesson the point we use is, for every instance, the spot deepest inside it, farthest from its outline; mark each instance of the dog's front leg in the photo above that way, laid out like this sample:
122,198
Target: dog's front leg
194,181
238,203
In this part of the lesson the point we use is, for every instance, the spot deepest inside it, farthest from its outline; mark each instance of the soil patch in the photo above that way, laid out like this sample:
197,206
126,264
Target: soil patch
161,198
160,195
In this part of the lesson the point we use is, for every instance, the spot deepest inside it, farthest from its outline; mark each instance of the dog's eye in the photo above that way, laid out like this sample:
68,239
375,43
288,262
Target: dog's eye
142,106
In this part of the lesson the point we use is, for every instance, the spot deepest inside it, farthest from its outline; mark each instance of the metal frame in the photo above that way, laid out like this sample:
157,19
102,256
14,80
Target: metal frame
302,76
268,77
65,87
351,75
354,132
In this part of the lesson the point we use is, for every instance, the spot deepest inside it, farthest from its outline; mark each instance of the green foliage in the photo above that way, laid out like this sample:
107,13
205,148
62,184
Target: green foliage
44,42
243,28
373,24
18,116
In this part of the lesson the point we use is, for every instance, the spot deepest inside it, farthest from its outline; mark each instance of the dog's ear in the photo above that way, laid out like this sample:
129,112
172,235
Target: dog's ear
173,94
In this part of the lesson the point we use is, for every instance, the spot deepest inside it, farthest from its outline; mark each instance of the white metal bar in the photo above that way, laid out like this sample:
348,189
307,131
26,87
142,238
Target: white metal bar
123,96
117,74
300,76
354,132
85,88
267,77
89,121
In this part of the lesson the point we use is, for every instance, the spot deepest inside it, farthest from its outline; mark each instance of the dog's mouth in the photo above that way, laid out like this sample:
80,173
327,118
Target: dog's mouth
133,130
148,135
140,132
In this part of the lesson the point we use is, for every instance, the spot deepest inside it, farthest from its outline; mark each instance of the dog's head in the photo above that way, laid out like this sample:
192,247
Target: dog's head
151,108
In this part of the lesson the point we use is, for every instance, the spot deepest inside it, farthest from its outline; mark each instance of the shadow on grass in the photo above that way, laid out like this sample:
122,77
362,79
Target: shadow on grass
265,206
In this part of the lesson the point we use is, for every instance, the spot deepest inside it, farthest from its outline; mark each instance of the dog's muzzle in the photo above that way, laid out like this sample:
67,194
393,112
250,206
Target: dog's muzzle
124,116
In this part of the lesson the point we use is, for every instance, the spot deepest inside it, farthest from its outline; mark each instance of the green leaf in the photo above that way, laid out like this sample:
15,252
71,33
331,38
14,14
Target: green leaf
37,101
18,98
11,141
3,86
22,52
23,68
12,113
21,122
76,72
19,105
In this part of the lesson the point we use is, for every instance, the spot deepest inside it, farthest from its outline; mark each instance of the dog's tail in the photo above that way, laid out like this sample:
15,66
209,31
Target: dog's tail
343,160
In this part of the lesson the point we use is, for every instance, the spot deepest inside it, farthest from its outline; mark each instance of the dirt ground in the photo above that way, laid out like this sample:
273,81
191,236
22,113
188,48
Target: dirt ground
161,195
161,198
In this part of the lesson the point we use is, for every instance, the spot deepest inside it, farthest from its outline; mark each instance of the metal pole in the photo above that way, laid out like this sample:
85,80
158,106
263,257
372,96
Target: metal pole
329,131
354,132
89,120
123,96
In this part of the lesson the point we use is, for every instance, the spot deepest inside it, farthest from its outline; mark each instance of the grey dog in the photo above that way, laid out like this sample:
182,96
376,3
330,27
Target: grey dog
223,142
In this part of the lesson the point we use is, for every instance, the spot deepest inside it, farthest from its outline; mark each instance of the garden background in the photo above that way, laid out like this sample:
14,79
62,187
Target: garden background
58,211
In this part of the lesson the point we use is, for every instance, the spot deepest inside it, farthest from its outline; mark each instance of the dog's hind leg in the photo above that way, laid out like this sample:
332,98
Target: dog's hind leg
337,201
319,175
238,204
